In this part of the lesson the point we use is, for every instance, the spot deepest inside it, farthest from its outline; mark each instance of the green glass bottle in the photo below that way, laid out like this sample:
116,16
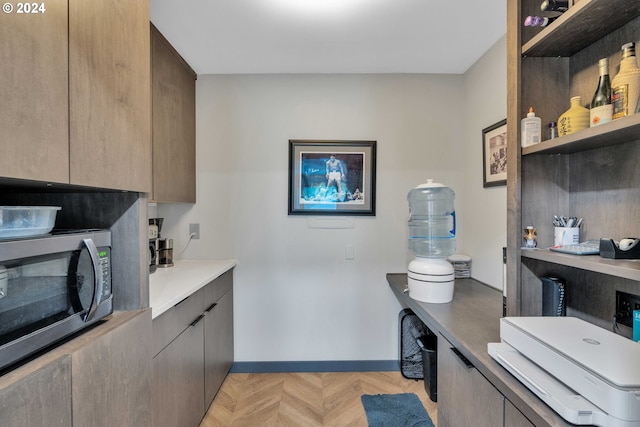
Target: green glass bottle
601,107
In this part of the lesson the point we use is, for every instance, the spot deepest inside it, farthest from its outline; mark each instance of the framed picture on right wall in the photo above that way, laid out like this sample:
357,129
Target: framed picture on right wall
494,154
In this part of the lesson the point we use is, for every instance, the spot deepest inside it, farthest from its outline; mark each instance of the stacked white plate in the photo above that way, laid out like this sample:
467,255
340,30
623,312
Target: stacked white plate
461,265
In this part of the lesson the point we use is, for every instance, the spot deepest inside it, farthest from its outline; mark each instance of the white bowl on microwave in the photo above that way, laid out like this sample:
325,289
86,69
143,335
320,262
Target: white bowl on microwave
21,221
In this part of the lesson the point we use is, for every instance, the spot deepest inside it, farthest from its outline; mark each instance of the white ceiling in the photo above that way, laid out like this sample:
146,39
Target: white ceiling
330,36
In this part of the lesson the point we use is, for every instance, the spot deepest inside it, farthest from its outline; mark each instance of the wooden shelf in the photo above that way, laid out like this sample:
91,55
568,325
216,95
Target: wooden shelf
626,269
615,132
592,171
580,26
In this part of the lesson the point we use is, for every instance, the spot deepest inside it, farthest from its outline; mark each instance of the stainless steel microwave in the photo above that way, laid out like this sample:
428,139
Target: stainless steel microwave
51,287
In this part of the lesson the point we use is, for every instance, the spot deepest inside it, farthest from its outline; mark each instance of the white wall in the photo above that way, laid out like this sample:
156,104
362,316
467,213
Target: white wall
296,296
485,209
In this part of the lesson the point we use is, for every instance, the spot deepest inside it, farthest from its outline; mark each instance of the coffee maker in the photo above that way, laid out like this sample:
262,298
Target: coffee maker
162,248
155,225
165,253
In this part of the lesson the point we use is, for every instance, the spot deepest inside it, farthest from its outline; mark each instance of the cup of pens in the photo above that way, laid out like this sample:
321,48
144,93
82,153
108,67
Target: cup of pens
566,230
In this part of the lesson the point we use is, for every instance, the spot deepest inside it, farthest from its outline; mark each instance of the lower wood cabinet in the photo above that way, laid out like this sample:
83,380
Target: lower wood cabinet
467,398
178,383
218,345
100,378
43,398
193,346
112,374
513,417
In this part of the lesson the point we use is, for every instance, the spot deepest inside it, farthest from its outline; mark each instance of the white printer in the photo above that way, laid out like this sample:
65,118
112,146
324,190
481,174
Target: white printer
585,373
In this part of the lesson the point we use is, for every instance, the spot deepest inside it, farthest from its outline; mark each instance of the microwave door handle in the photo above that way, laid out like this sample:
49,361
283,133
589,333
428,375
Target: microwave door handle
97,287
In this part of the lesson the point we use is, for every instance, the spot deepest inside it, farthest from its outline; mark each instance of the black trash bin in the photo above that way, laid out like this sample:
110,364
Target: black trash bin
418,351
429,349
411,329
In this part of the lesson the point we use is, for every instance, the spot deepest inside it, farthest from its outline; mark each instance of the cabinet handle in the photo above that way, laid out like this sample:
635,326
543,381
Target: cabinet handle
98,284
462,359
211,307
198,319
180,302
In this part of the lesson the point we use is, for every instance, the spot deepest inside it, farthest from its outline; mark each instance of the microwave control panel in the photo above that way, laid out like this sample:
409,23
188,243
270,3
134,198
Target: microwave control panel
104,253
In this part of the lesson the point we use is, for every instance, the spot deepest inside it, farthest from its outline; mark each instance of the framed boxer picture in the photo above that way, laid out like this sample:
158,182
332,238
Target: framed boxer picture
328,177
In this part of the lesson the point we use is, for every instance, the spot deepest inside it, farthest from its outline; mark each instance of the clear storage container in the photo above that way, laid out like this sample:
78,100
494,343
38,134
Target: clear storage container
20,221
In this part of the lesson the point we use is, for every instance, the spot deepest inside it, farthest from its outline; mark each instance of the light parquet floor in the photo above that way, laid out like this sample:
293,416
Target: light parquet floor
305,399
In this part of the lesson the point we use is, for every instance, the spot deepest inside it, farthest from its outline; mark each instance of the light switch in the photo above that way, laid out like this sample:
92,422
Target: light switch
349,252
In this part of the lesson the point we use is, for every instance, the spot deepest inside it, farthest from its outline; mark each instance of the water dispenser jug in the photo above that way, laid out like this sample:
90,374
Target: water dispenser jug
432,220
432,238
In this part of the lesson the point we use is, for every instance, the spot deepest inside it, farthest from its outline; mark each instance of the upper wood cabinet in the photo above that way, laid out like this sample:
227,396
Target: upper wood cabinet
34,124
173,123
109,71
76,96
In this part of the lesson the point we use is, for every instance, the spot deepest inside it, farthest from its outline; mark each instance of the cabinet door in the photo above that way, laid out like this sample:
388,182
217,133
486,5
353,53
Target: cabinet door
34,124
513,417
218,345
174,124
465,397
178,380
110,94
41,399
112,374
172,322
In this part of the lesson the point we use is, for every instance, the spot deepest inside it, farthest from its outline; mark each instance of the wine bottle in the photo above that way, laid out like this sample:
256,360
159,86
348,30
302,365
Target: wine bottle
554,5
625,86
538,21
601,107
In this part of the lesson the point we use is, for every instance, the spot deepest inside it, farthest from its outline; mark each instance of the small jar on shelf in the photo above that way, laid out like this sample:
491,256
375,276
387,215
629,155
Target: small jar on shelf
553,130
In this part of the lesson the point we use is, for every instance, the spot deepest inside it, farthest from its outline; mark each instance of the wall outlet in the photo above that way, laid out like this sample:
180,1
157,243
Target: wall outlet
195,230
625,304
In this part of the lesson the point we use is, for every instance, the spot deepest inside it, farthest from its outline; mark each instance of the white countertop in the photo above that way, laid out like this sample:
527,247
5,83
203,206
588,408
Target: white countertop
170,285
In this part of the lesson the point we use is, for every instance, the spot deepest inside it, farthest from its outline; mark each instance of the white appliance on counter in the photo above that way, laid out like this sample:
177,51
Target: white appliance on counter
585,373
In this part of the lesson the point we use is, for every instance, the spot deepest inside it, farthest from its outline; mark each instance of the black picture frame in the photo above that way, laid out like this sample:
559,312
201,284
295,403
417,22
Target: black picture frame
332,177
494,155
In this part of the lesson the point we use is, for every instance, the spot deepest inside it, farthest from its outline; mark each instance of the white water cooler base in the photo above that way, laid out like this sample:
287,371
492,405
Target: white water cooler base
430,280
